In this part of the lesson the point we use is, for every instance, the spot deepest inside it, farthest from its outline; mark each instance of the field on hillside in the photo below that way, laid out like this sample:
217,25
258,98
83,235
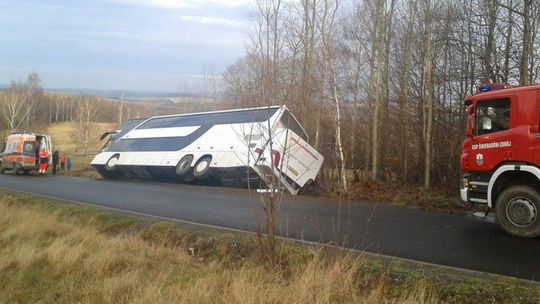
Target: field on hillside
64,140
52,252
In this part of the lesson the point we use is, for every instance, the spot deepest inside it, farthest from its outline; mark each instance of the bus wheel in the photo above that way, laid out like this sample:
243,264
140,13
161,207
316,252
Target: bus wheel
184,165
188,177
202,167
111,163
517,209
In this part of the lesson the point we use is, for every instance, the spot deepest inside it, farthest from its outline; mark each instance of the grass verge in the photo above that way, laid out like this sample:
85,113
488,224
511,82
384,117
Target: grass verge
52,252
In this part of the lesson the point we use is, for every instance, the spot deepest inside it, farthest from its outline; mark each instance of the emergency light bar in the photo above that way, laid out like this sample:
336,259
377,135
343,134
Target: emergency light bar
488,86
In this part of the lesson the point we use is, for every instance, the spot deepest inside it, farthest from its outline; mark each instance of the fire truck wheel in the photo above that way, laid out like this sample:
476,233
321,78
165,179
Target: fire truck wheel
517,209
184,165
202,167
15,169
111,163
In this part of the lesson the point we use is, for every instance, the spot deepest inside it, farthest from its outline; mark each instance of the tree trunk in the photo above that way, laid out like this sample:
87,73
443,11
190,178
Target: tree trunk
376,87
428,92
527,48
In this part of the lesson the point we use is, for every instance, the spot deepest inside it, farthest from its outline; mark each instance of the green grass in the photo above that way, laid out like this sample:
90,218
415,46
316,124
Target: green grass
52,252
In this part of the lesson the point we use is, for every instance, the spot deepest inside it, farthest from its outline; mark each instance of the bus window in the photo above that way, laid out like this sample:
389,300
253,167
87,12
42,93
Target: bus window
219,118
290,122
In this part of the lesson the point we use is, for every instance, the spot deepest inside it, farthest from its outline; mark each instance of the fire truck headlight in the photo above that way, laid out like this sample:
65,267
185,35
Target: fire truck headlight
465,183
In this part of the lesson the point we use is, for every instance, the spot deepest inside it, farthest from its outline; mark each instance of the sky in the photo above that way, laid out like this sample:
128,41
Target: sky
145,45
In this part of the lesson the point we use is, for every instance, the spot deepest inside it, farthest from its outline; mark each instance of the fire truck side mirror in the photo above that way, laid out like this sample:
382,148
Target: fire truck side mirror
470,126
470,121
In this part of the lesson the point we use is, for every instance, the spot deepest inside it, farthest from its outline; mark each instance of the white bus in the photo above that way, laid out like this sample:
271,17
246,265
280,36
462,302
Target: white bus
236,146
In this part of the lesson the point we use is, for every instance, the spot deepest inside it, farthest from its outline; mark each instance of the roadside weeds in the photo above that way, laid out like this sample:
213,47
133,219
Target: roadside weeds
56,252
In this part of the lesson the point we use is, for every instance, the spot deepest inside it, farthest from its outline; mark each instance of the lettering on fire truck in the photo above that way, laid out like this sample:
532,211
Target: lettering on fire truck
492,145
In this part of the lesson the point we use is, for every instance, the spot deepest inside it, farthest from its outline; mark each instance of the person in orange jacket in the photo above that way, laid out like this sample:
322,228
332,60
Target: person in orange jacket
63,161
43,162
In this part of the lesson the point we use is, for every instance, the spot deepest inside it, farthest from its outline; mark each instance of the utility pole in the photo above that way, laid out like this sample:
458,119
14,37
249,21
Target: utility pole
121,109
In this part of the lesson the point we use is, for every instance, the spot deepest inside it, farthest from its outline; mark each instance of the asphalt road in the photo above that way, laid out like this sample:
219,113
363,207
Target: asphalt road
439,237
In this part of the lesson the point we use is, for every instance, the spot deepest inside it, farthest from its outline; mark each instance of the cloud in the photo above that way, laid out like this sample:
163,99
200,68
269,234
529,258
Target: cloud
212,21
189,4
147,44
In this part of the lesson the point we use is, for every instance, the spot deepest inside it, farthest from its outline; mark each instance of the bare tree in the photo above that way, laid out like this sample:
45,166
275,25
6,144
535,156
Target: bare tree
19,103
401,70
13,106
428,90
88,108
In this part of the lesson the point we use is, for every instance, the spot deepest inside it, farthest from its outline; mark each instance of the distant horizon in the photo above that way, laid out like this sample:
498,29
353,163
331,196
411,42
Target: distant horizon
117,92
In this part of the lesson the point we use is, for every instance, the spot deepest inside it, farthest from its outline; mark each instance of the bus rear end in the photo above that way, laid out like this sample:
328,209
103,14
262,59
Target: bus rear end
288,160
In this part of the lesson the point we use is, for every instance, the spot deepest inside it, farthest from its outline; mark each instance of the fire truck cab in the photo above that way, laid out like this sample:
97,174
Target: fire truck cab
20,153
500,159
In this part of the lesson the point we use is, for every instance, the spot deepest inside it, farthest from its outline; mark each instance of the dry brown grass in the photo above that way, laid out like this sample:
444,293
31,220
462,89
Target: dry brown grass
62,135
58,253
47,258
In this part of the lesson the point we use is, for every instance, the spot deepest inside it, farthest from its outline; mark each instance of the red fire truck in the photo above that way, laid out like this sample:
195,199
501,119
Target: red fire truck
500,159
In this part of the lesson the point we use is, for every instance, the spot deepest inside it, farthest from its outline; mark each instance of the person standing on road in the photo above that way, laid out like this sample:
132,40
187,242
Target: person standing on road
43,161
55,159
69,164
63,160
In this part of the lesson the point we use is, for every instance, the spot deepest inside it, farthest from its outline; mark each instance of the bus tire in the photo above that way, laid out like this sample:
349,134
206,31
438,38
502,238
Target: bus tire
110,165
517,210
202,167
188,177
184,165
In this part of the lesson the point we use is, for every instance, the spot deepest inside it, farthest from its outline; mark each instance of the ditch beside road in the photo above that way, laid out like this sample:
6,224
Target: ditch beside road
454,239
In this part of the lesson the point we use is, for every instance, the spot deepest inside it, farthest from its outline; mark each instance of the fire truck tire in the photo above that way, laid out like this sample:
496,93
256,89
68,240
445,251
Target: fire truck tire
184,165
517,210
15,169
202,167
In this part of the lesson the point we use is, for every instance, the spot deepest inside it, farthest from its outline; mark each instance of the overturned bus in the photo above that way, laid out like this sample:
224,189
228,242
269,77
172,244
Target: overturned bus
20,153
241,146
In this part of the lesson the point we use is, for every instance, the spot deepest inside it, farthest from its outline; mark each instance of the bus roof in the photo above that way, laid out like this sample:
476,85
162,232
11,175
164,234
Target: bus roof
210,118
